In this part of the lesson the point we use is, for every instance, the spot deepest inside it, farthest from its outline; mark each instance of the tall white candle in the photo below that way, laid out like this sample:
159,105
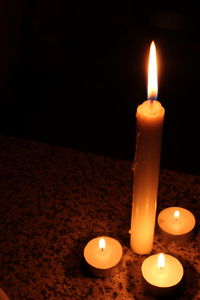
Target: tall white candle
150,116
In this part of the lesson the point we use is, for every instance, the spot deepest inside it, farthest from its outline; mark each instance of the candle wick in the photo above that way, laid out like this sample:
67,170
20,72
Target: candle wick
151,100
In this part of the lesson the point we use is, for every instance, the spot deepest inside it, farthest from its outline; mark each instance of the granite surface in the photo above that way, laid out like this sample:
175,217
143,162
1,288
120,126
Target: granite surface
53,200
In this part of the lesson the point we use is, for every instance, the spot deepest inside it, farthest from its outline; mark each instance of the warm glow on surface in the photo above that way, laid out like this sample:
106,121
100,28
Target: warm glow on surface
152,74
161,261
176,215
102,244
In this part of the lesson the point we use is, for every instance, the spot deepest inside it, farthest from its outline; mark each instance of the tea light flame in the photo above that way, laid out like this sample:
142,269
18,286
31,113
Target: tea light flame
152,74
176,215
102,244
161,261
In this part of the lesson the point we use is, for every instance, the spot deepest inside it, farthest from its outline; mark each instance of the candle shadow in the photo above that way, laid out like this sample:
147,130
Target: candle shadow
162,293
134,284
74,263
124,239
190,280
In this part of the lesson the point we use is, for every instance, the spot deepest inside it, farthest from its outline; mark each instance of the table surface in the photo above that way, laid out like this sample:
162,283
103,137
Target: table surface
54,200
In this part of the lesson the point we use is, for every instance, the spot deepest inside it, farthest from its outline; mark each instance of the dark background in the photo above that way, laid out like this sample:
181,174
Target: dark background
73,73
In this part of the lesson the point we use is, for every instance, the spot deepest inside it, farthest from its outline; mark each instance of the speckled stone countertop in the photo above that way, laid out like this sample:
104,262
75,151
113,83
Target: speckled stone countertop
53,200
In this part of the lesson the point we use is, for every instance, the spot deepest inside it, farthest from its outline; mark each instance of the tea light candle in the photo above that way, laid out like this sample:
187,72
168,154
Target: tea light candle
176,224
103,256
162,273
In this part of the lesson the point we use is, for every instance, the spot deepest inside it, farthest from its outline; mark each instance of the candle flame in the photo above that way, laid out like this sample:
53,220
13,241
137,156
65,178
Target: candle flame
161,261
176,214
102,244
152,74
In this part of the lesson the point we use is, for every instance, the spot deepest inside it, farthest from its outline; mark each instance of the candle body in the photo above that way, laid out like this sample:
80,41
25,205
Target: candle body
3,296
177,231
150,116
162,281
103,263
